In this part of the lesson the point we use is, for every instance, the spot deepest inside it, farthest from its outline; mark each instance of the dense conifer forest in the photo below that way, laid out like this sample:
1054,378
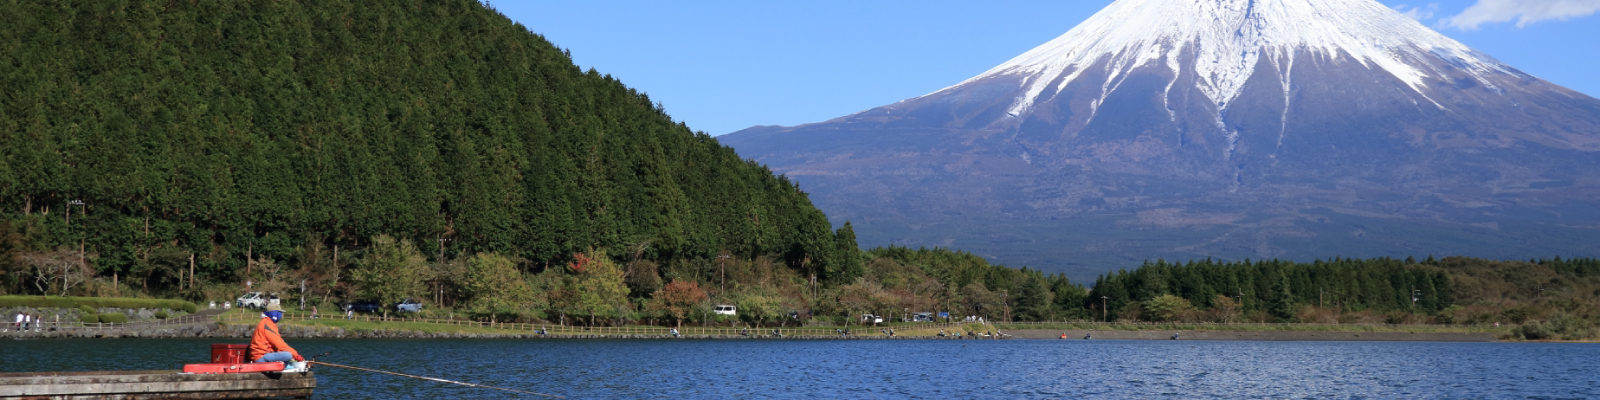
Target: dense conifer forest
350,150
146,131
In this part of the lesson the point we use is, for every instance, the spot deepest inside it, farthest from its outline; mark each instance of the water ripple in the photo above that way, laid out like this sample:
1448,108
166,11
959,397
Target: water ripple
676,369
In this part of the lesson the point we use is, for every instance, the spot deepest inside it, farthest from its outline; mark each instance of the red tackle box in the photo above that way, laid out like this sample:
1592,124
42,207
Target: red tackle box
228,353
232,368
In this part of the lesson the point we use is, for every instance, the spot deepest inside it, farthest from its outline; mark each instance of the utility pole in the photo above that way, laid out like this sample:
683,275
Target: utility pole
722,262
1103,309
1005,299
78,203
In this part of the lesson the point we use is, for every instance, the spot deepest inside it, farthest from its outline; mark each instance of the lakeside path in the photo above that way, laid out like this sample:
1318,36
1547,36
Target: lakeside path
1078,334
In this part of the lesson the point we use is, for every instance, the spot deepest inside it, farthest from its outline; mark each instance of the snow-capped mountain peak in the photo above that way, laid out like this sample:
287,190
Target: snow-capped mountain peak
1224,40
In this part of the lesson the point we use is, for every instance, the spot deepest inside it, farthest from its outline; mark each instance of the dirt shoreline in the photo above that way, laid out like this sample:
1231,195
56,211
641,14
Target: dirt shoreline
1078,334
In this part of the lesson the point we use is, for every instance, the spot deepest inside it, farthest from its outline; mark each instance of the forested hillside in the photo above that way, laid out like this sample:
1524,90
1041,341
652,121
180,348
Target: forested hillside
138,137
1545,298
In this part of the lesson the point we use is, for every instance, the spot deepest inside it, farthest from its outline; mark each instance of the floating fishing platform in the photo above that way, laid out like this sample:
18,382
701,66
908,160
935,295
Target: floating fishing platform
155,385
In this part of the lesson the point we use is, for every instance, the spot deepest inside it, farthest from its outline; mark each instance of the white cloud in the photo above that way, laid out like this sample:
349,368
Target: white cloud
1524,11
1418,13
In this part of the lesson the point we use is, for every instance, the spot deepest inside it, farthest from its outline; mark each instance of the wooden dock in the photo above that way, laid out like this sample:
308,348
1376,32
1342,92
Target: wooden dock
154,385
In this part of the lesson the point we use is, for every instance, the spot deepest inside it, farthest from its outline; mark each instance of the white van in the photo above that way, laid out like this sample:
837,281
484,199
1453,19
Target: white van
724,309
251,300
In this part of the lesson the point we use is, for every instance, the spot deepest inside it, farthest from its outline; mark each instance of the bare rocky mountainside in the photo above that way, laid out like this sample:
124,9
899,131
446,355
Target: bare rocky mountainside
1181,129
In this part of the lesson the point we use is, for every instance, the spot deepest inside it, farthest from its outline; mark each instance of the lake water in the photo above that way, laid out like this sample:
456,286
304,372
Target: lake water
680,369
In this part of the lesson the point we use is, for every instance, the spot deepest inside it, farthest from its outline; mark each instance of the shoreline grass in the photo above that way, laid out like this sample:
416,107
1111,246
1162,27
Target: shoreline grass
1257,327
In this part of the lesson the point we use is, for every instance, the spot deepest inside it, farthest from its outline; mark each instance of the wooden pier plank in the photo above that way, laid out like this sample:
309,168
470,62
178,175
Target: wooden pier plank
154,384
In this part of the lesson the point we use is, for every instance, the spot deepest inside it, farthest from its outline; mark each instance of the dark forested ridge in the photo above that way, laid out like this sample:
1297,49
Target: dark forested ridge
145,131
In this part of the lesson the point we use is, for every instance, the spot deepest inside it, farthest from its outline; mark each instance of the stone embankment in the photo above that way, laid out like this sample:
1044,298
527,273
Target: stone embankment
1078,334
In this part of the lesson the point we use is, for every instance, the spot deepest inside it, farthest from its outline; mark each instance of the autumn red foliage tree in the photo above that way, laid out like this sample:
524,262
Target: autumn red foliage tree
679,297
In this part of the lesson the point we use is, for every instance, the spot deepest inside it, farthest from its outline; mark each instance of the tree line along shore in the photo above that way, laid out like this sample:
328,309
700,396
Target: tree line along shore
1535,300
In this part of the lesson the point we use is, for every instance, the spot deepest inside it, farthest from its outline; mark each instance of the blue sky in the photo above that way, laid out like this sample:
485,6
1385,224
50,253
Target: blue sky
721,65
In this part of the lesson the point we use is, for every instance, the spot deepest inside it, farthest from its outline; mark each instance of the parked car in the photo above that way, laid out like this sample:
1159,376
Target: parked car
921,317
409,305
251,300
869,318
724,309
366,306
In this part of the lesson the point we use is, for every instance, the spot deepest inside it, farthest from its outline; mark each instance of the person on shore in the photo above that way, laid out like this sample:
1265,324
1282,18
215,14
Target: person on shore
18,324
313,312
350,312
266,344
674,332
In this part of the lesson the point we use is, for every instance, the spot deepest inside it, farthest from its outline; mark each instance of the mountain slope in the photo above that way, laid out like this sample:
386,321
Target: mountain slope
1233,129
227,129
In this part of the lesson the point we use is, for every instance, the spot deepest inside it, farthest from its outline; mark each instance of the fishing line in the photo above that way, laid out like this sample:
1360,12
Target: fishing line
431,378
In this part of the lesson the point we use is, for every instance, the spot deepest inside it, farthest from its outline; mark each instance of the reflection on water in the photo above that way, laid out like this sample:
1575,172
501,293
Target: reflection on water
892,369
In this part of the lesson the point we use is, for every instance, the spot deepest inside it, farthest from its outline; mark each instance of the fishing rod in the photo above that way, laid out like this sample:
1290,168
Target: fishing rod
430,379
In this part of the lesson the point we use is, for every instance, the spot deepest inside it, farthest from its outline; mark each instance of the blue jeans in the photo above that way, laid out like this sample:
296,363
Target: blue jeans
282,356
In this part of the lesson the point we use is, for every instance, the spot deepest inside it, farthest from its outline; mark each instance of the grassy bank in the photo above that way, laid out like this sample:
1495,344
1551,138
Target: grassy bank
94,302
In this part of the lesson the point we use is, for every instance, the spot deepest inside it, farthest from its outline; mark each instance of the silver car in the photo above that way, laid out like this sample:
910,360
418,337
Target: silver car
409,305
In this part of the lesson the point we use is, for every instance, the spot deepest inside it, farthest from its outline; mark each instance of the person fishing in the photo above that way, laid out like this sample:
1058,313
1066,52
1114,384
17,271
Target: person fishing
266,344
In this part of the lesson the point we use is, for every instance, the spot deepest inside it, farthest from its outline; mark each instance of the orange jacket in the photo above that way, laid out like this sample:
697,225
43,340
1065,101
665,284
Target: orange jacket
266,340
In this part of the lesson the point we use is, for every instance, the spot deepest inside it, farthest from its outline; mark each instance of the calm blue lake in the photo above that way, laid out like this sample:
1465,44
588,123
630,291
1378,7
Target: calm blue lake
680,369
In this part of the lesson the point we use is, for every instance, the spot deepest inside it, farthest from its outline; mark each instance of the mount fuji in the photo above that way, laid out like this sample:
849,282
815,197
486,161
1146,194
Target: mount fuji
1233,129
